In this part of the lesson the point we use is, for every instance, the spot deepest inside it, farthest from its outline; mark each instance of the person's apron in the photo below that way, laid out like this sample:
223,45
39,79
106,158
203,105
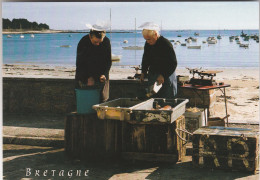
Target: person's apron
169,88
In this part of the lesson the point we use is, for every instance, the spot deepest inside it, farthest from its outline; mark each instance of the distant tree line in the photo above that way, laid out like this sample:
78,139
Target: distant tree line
23,24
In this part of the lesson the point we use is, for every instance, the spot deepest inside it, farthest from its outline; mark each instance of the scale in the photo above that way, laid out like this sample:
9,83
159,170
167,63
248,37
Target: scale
137,73
202,77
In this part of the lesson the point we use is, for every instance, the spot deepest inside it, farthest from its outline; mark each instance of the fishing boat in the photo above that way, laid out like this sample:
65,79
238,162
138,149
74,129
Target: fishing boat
194,47
9,36
21,36
188,40
178,35
183,44
66,46
196,34
32,35
231,38
125,41
246,38
212,40
115,57
194,39
204,42
244,45
133,48
219,37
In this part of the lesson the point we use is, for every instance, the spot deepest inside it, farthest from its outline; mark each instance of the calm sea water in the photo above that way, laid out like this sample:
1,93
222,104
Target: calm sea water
46,49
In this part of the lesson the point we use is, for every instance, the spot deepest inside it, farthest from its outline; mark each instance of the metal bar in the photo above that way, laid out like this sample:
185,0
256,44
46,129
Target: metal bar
226,104
204,109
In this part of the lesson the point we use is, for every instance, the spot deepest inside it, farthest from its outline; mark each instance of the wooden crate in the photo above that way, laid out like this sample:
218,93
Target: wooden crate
196,98
195,118
87,137
153,141
226,148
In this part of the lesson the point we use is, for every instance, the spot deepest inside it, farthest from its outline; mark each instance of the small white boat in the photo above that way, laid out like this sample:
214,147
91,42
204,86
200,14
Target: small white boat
133,48
194,39
115,57
125,41
176,43
66,46
32,35
188,40
244,45
21,36
212,40
9,36
194,47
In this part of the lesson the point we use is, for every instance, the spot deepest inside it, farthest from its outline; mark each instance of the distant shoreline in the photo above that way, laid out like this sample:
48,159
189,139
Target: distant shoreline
5,31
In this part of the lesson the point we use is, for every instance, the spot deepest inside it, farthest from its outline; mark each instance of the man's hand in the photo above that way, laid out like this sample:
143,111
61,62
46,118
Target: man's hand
102,78
91,81
160,79
142,77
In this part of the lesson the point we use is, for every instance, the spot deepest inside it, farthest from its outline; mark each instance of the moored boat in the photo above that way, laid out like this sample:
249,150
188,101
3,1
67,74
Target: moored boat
194,47
115,57
244,45
133,48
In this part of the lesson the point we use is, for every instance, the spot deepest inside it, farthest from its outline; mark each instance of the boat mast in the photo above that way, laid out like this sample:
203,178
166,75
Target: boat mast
110,26
161,27
135,31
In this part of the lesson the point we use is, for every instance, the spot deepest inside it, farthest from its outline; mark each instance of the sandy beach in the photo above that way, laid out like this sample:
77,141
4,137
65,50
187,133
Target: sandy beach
242,96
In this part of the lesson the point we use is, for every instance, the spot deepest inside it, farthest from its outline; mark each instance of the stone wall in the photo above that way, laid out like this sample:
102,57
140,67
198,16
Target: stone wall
41,95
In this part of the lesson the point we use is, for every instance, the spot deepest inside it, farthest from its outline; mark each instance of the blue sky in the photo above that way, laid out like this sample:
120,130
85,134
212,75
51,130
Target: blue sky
172,15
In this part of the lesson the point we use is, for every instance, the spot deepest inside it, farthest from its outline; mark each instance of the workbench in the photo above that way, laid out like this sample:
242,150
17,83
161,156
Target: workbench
201,92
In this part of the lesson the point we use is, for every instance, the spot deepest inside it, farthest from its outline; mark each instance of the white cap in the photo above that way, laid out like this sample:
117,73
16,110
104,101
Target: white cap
150,26
99,26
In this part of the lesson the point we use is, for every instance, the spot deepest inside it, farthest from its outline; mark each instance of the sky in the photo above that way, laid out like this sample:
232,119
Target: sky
169,15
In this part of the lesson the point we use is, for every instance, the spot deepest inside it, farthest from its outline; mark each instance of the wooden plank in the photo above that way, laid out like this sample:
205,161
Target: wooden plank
158,138
150,157
87,137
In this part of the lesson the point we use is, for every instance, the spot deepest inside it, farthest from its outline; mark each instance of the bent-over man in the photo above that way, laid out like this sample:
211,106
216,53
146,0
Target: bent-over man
93,61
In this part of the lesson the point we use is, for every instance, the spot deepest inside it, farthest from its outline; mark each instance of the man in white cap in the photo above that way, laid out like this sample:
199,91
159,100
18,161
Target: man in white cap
93,60
159,61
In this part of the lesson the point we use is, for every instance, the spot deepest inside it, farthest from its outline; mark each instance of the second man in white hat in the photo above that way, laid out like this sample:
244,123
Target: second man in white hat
159,61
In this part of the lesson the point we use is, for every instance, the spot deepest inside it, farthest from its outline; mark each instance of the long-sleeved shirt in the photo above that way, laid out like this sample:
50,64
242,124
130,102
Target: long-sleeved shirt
93,61
159,58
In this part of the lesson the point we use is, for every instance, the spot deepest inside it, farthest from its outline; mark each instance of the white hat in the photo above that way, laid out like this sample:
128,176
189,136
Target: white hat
150,26
100,26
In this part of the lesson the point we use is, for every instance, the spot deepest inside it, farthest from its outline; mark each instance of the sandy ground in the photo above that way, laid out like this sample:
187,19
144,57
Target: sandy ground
30,162
242,96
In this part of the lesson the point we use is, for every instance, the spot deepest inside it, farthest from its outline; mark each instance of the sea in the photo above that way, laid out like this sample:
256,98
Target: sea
60,48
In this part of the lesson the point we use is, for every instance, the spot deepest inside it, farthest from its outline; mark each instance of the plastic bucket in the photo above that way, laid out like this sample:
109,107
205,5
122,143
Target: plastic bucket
86,98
